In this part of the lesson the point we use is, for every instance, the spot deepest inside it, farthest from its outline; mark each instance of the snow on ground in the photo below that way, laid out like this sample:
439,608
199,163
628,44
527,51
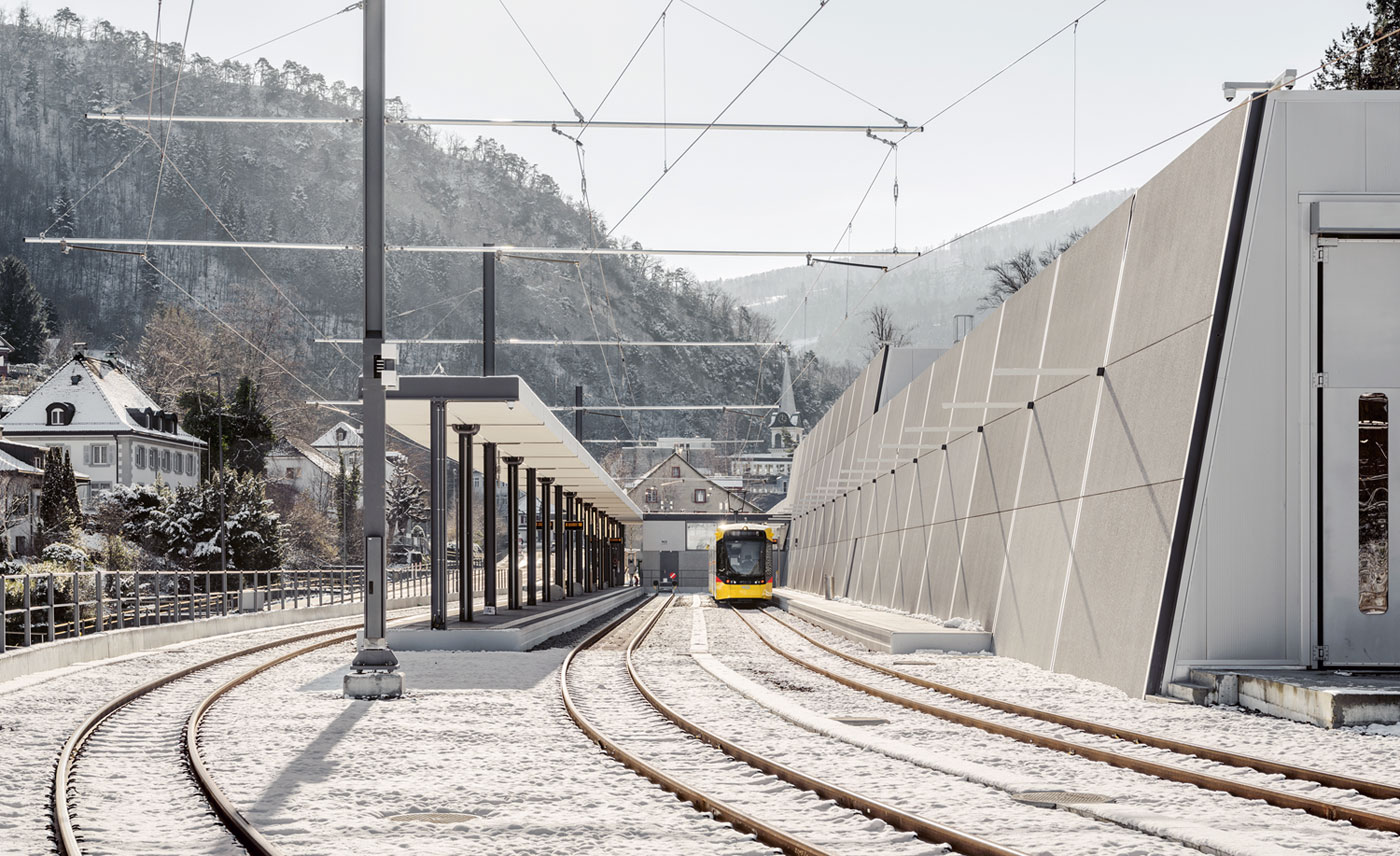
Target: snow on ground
38,712
1004,678
1369,752
478,733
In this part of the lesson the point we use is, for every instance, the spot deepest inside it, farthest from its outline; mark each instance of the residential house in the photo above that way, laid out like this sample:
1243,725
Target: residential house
298,465
112,429
21,479
675,486
343,440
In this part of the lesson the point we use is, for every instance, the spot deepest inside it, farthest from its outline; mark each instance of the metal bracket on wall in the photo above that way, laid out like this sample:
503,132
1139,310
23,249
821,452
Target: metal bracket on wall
1320,380
1320,653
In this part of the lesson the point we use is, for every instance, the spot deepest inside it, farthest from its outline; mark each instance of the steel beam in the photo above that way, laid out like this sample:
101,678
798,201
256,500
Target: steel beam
545,482
513,530
488,526
437,514
465,554
560,541
530,536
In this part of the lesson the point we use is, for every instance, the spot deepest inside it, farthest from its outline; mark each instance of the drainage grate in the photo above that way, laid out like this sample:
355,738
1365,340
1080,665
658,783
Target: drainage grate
435,817
861,720
1059,799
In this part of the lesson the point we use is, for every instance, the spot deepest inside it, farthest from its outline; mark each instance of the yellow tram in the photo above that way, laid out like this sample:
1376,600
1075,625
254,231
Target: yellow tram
741,563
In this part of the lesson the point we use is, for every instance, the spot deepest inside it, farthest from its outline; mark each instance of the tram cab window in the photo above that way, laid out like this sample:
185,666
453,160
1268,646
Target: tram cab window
745,557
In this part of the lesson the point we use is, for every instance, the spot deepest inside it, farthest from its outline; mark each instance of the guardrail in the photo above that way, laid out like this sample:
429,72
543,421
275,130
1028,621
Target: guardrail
48,607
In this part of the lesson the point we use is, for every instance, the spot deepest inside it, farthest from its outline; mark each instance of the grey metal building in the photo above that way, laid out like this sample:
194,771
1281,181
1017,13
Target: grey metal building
1169,449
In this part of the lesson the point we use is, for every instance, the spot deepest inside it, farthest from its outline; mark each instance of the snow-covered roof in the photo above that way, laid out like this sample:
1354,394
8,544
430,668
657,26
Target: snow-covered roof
99,399
351,438
5,346
291,446
10,464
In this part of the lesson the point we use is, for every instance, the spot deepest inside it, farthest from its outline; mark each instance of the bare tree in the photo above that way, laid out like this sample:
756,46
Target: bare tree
883,330
1011,275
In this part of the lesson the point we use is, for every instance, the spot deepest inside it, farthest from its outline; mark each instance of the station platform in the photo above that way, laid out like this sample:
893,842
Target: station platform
510,629
1329,699
878,630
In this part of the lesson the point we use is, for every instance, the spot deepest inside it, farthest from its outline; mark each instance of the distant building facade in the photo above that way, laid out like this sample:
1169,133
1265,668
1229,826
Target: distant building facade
112,429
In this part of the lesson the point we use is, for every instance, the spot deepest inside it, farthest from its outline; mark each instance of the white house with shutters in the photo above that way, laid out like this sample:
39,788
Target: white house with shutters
114,431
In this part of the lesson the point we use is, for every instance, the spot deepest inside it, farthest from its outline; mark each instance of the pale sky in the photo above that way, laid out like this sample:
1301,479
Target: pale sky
1145,71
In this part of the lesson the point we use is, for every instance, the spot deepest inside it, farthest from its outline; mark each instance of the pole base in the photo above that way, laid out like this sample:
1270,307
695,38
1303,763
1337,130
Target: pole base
374,685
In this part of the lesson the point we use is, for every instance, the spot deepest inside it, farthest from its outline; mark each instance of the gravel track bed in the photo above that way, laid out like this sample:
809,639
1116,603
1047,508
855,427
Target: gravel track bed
969,807
1252,821
478,733
38,713
1367,751
605,695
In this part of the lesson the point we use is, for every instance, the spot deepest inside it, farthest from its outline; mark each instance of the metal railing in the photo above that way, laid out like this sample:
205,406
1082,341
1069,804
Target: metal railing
48,607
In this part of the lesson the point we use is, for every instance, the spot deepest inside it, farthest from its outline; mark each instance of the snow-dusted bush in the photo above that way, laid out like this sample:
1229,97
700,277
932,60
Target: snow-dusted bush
66,556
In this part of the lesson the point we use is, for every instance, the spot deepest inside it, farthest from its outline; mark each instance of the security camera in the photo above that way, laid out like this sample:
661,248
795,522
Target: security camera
1229,93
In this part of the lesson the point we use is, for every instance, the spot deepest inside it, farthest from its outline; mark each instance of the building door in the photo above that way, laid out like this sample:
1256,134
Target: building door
1359,287
670,564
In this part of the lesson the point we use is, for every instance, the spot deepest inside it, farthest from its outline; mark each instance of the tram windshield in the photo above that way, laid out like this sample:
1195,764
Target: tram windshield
745,554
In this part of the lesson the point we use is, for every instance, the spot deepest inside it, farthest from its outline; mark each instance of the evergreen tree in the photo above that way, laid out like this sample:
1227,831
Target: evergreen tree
21,312
1350,64
247,431
69,485
56,518
347,518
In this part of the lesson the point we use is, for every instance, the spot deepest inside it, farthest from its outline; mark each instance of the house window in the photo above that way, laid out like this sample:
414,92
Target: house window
651,495
189,464
675,472
340,435
57,415
140,457
153,458
165,461
98,487
293,472
99,455
700,495
179,463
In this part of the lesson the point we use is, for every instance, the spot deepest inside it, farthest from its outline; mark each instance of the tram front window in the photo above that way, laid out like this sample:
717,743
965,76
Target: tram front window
746,557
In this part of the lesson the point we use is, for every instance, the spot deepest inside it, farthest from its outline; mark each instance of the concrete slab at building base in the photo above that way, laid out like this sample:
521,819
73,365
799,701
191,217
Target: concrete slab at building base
1328,699
514,634
372,685
891,632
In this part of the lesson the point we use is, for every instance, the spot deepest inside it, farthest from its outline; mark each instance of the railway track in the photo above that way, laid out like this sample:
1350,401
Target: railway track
1330,810
823,831
136,728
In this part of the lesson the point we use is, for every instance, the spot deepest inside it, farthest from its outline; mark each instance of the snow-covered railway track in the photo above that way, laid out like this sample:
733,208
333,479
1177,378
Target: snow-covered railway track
143,740
1002,721
641,733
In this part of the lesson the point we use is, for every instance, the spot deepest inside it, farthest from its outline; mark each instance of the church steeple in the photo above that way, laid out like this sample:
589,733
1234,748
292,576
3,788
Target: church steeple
783,430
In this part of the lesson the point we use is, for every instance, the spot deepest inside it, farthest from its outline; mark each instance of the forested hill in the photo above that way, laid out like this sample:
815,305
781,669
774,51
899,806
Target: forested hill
63,175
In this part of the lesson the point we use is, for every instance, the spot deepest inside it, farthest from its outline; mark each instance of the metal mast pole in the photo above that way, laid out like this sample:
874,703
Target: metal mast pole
375,656
488,313
437,517
466,556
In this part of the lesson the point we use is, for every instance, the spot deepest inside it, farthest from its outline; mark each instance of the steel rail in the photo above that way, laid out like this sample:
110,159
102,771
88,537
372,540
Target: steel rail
242,829
1206,781
1365,787
926,829
64,836
745,823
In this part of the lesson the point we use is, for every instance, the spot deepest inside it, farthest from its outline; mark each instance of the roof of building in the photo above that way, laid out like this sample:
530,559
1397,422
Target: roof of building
5,346
352,437
292,446
102,399
10,464
733,493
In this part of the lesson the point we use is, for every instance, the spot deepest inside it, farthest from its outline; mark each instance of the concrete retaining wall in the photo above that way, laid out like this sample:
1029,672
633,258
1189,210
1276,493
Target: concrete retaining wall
117,643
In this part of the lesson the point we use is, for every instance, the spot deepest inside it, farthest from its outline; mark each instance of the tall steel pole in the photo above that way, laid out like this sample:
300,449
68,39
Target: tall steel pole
488,313
375,655
437,517
466,556
223,524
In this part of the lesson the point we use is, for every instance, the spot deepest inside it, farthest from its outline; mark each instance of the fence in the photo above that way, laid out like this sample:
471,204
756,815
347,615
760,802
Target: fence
47,607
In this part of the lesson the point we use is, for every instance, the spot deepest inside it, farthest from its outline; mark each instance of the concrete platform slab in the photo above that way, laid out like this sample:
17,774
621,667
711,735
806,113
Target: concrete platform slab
1329,699
511,630
891,632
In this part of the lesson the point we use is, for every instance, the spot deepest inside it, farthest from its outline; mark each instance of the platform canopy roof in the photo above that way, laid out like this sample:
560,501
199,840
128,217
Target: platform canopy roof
518,422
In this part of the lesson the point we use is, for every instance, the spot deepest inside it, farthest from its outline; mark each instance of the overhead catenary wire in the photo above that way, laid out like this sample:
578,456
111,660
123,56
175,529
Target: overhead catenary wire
539,57
625,66
564,342
174,98
1119,162
720,115
867,102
